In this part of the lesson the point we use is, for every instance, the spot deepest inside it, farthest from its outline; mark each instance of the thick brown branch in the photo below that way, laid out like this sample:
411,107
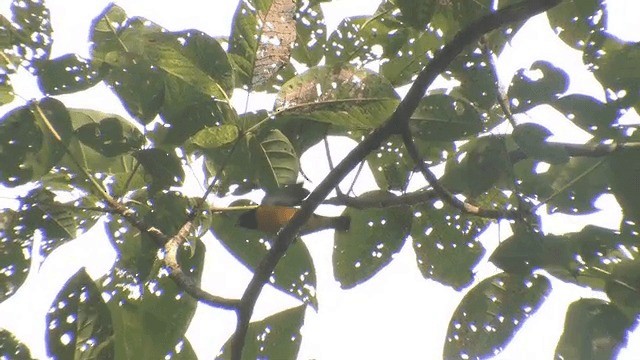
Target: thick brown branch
394,125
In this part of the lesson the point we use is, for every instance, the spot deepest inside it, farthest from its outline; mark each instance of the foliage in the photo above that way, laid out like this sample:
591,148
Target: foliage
81,166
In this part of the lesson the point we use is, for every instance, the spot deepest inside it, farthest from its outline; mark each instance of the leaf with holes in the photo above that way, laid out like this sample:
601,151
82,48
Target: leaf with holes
339,95
542,83
33,41
575,20
67,74
374,237
356,37
444,118
492,312
480,164
33,139
12,348
262,35
57,222
165,169
110,136
15,253
589,113
624,168
594,329
275,337
446,242
311,28
79,322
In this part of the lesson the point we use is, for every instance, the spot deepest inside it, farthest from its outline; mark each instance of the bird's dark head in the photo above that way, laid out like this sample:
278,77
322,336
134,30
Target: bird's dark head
248,220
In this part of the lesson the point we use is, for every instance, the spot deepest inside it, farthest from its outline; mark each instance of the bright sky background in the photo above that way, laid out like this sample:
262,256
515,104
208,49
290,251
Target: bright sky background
397,314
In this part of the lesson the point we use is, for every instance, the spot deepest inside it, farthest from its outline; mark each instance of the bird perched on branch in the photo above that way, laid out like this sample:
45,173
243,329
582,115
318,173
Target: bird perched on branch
278,208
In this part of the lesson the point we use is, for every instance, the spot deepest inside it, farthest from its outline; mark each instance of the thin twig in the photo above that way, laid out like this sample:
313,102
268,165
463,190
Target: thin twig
501,95
568,184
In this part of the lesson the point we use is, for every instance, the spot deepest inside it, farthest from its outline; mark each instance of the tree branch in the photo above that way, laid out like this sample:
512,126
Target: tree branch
394,125
413,198
184,281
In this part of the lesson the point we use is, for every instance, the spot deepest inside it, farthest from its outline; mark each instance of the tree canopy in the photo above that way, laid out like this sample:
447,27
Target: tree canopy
84,167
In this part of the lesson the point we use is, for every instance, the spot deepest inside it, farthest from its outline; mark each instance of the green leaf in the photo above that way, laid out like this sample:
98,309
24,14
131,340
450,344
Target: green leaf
29,147
588,179
121,167
481,164
109,135
355,37
275,337
229,165
444,118
79,322
194,58
390,164
6,89
12,348
492,312
624,166
213,137
522,252
186,111
623,287
374,237
587,258
541,84
311,30
10,40
105,33
139,85
589,113
575,20
15,250
531,138
416,14
362,101
276,160
66,74
477,82
302,133
295,273
164,168
614,63
593,329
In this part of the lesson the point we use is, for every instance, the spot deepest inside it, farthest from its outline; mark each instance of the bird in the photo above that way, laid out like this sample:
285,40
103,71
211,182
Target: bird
271,218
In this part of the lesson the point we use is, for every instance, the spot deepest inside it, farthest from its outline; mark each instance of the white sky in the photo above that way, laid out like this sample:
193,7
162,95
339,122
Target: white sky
397,314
